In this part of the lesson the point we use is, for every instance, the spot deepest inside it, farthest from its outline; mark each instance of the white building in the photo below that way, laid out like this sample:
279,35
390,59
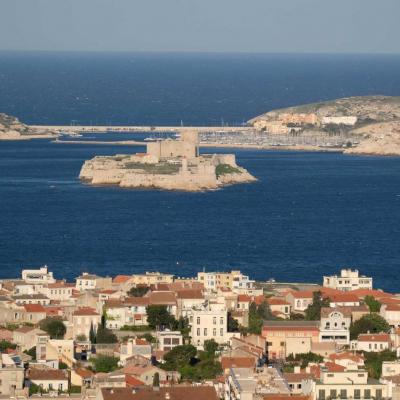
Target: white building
91,282
209,322
348,280
41,275
372,342
167,340
335,325
391,313
83,320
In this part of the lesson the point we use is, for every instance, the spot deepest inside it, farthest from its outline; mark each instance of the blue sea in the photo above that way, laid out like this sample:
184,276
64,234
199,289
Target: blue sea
308,215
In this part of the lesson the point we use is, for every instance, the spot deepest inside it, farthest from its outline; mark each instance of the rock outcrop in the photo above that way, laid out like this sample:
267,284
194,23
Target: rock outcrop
12,129
167,165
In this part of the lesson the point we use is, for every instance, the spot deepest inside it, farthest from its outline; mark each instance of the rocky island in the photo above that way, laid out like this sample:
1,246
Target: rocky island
12,129
169,165
357,125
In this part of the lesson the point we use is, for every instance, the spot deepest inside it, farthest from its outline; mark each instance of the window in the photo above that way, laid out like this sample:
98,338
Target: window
367,393
205,331
221,321
321,394
378,394
333,394
357,393
198,320
214,320
221,332
343,394
198,331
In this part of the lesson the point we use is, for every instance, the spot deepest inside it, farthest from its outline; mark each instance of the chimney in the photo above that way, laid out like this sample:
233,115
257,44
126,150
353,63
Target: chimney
167,396
296,369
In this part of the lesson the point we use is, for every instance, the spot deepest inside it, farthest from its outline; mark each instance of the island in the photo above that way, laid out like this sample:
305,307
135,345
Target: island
169,165
12,129
357,125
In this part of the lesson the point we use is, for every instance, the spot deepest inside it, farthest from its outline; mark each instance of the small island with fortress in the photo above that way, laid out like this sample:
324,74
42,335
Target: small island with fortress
169,165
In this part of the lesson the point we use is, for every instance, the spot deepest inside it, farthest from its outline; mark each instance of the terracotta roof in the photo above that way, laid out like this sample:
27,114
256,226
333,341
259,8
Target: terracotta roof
24,329
60,285
344,298
132,381
244,298
392,307
237,362
275,301
304,294
390,300
48,374
190,294
293,377
85,311
285,397
162,298
137,301
361,293
84,373
332,367
291,325
377,337
172,393
32,308
121,278
108,291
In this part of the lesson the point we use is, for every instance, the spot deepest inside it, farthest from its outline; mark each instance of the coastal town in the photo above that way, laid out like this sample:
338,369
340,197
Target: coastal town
218,335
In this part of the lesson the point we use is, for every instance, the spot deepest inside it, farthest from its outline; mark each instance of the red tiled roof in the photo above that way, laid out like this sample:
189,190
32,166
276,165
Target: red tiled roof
121,278
132,381
237,362
344,298
244,298
346,356
304,294
137,301
378,337
33,308
84,373
162,298
392,307
275,301
108,291
259,299
85,311
48,374
361,293
285,397
332,367
190,294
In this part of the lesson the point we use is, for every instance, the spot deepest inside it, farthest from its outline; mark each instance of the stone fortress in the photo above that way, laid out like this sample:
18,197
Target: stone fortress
167,164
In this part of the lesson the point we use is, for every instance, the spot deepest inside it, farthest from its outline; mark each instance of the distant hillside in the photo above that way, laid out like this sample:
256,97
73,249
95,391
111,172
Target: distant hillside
365,108
12,129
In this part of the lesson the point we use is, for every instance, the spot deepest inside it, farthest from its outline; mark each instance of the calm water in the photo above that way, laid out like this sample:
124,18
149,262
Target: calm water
309,214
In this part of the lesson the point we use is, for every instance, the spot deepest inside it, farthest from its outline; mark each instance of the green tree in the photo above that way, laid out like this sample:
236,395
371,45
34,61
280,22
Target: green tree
305,358
264,311
373,304
138,291
81,338
233,324
149,337
34,389
54,327
179,357
374,360
92,334
103,363
62,365
31,352
210,347
5,344
158,317
156,380
313,311
104,335
372,323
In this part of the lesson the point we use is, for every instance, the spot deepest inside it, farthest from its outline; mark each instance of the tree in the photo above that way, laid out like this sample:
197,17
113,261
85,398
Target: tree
233,324
313,311
179,357
264,311
31,352
34,389
62,365
104,335
54,327
5,344
257,314
296,317
305,358
373,361
92,334
156,380
104,363
158,317
373,304
372,323
210,347
138,291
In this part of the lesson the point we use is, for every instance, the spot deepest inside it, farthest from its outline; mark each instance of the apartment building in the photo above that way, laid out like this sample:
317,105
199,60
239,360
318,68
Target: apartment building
91,282
11,377
348,280
83,319
38,276
335,325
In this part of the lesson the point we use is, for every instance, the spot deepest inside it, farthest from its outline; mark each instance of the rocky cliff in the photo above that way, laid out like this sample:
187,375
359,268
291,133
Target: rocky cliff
206,174
12,129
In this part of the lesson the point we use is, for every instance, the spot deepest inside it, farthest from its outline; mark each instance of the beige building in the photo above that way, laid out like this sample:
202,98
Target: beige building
234,280
167,340
391,313
372,342
59,291
348,280
49,379
25,337
348,384
11,377
151,278
208,322
91,282
38,276
82,321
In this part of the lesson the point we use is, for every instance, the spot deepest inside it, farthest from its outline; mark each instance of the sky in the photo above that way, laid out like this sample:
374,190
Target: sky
265,26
